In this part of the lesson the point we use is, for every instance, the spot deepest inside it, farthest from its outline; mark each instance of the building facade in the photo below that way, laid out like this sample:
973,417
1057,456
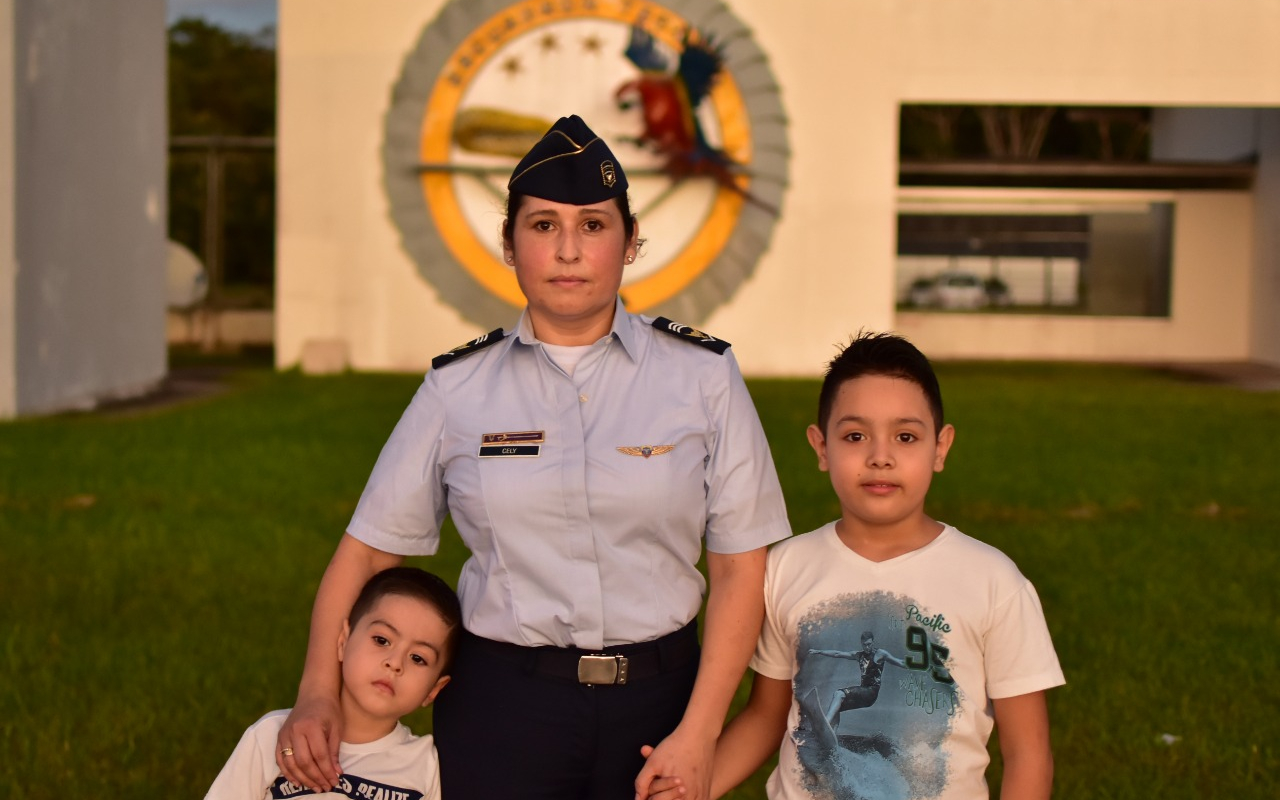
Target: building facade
397,129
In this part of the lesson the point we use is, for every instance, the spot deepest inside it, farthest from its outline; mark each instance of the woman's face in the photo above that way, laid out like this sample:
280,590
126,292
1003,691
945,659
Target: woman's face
568,261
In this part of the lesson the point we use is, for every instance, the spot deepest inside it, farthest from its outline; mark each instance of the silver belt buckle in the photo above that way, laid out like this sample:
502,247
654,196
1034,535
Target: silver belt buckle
602,669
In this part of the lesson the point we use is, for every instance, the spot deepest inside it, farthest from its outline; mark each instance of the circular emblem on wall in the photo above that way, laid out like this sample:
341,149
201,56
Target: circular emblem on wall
680,91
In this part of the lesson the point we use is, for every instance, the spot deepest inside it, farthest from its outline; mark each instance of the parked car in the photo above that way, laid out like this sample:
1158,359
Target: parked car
958,290
920,294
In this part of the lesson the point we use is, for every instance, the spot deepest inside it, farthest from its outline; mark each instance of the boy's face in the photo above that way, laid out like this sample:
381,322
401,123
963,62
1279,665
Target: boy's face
391,660
881,450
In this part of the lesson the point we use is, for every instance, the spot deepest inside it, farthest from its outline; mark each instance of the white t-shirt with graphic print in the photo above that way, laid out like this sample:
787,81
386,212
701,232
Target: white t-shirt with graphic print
898,702
399,766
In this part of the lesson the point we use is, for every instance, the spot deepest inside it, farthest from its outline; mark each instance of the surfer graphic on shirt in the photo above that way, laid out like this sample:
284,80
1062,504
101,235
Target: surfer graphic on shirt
872,661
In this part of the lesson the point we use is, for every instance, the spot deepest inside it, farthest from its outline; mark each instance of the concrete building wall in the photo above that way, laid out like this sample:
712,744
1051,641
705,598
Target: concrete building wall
1236,134
8,267
843,73
88,144
341,274
1204,134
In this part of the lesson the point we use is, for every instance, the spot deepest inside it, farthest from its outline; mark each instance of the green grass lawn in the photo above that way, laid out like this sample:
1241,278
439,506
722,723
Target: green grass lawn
158,567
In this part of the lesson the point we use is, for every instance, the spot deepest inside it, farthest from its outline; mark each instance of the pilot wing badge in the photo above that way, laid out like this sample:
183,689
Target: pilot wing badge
647,450
690,334
478,343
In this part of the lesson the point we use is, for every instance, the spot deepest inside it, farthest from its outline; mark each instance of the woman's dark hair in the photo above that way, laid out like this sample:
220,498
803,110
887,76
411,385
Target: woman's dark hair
419,585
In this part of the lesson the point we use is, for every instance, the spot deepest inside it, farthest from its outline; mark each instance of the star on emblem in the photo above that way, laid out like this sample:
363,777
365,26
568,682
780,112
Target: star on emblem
647,450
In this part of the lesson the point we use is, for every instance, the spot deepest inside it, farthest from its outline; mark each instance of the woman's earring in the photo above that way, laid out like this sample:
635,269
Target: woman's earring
630,259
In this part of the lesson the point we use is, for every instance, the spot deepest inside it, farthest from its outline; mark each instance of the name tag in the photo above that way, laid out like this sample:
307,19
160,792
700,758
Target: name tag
509,450
512,444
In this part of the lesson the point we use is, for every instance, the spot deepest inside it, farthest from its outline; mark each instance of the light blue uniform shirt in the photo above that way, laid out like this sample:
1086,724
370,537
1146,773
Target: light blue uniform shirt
575,542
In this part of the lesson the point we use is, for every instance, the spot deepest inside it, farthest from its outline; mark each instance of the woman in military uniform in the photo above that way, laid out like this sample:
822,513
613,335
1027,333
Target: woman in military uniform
585,457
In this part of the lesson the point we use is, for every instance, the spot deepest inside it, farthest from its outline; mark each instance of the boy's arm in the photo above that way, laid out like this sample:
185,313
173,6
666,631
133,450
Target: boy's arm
1022,723
753,735
735,610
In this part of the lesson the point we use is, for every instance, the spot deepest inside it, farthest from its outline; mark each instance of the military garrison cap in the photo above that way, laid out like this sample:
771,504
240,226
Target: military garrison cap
569,164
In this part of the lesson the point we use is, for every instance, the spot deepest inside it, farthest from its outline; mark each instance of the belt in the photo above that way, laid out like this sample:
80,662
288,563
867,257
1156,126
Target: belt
615,665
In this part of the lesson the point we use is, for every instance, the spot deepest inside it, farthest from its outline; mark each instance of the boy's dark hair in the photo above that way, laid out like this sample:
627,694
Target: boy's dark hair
879,354
419,585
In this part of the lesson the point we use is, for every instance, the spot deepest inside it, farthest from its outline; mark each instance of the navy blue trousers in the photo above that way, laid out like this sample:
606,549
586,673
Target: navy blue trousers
504,731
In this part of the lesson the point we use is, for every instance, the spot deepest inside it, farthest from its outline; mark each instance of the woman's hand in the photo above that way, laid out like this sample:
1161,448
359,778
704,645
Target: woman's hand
679,767
307,747
664,787
735,610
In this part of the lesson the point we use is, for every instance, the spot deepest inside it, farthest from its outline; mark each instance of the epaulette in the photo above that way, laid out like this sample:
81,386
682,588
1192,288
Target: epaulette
691,335
478,343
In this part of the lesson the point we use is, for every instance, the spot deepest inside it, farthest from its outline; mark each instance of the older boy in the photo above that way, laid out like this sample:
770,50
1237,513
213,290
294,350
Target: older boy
974,649
395,649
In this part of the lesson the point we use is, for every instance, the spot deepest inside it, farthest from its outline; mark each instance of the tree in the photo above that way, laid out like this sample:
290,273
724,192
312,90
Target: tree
223,83
1015,132
1024,133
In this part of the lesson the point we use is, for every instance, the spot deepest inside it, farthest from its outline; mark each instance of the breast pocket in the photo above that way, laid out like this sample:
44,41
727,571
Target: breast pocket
661,476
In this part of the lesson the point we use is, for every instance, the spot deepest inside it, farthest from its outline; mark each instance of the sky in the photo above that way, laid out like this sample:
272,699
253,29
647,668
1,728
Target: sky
248,16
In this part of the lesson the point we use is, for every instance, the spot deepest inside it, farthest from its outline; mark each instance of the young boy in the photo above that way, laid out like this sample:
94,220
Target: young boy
891,642
395,649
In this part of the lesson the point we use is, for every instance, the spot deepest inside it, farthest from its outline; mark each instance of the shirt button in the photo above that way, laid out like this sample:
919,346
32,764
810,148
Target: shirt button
582,398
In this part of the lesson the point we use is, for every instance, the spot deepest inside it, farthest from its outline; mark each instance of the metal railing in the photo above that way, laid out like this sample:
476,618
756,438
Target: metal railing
215,151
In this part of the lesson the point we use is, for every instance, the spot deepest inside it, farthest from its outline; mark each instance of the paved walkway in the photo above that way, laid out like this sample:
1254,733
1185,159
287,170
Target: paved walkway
181,384
1248,375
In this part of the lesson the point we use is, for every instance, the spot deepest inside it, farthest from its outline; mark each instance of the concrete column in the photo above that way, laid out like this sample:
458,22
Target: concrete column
83,138
8,267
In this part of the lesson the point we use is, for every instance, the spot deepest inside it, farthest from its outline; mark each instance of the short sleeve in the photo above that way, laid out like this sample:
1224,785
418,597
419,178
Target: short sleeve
1018,654
774,656
251,769
745,509
404,502
431,765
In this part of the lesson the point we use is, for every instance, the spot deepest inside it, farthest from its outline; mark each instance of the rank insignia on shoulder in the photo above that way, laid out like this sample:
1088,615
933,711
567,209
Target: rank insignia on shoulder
478,343
690,334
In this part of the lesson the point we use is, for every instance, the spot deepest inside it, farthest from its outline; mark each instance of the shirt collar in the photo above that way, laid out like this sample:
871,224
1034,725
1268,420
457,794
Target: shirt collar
623,329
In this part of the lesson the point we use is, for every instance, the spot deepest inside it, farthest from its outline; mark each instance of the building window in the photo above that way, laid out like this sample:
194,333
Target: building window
1112,259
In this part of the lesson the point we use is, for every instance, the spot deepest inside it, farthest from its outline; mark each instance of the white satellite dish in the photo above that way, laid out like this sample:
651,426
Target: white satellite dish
187,282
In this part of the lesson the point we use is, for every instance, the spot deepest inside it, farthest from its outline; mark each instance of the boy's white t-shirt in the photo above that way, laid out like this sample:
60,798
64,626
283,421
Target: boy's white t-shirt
960,617
399,766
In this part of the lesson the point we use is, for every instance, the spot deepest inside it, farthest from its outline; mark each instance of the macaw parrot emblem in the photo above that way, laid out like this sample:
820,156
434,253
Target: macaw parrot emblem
698,126
669,101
